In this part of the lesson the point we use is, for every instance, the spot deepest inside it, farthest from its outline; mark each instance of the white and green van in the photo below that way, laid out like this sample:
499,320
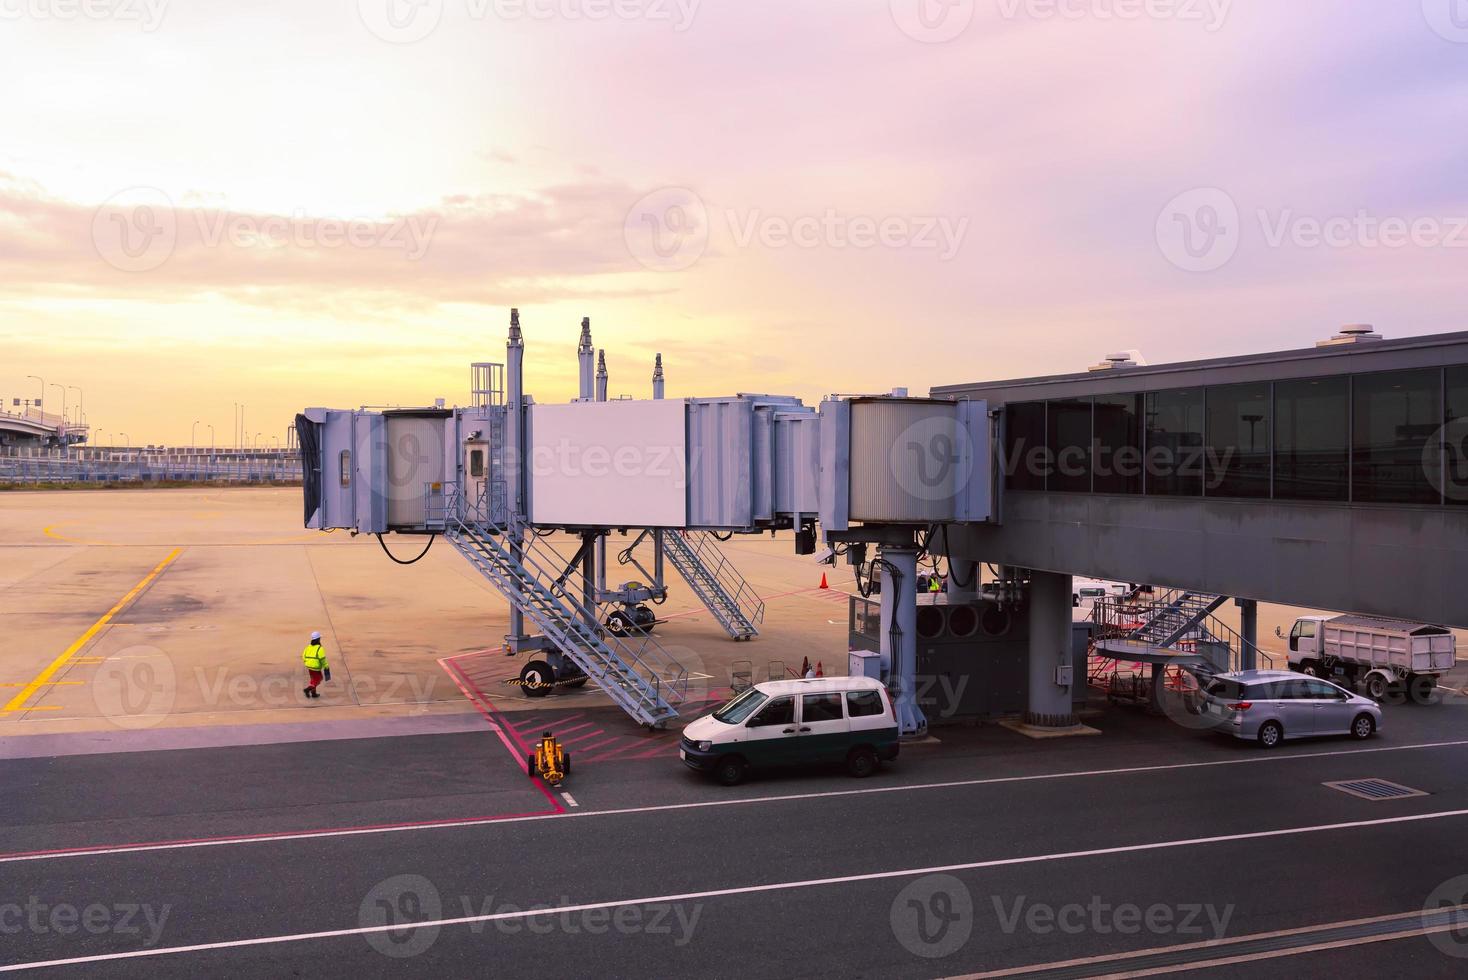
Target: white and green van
846,720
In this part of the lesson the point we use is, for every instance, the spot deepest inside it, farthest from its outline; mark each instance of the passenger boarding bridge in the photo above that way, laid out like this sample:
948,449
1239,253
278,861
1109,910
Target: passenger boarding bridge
1331,477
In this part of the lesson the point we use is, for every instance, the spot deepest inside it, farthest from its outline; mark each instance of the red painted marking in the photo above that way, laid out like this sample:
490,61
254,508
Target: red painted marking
582,738
539,722
501,727
597,745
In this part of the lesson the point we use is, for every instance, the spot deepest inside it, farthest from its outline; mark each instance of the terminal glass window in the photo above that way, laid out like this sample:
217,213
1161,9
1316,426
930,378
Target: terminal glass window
1312,439
1068,435
1024,455
1455,438
1117,461
1397,416
1174,451
1238,441
346,467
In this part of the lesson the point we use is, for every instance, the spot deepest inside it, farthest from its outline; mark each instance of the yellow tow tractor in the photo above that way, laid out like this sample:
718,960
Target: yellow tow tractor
550,760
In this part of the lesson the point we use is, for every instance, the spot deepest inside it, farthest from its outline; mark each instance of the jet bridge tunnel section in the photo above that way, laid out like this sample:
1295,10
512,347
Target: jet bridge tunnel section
876,476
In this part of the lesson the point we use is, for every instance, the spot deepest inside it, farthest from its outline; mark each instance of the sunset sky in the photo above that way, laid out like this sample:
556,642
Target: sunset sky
334,202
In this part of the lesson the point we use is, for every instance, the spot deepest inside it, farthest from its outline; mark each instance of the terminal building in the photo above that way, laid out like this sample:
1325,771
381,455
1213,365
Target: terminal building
1334,477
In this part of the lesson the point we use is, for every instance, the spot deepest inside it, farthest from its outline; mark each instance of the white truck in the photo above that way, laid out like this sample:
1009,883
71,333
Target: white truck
1381,654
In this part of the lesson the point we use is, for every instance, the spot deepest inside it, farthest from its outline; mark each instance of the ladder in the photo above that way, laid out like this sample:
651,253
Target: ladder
638,675
716,582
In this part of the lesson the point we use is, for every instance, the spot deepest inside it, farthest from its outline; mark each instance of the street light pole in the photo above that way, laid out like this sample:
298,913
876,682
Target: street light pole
81,404
126,442
192,428
40,400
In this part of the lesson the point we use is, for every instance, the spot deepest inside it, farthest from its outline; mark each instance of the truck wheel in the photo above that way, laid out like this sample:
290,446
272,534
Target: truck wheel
530,765
566,767
536,679
1422,689
861,763
1363,727
731,770
1309,669
1270,734
1376,687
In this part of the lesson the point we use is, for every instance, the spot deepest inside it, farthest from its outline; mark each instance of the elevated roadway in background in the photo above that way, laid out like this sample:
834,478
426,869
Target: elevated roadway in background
36,428
1332,477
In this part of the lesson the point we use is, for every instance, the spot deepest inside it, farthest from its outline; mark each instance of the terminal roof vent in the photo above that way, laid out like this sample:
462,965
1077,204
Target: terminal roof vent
1352,333
1119,360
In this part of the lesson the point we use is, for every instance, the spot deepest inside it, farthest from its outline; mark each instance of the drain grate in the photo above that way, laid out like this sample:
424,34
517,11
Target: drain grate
1375,789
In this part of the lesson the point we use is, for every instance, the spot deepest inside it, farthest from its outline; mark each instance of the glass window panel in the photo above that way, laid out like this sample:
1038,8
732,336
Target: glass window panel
1397,416
1455,437
863,704
1068,436
1238,441
1174,450
1117,460
820,707
1025,460
1312,439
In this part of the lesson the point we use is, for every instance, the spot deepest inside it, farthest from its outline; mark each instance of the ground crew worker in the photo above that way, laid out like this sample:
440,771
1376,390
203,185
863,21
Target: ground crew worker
315,660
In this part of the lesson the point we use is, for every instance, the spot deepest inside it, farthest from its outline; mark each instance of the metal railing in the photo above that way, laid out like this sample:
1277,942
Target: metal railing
76,465
1133,622
706,552
634,670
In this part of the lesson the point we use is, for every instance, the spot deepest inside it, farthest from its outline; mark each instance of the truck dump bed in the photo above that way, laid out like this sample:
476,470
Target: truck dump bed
1417,647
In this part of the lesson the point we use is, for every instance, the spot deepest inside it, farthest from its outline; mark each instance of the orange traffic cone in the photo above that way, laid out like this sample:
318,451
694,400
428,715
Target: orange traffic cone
820,670
823,581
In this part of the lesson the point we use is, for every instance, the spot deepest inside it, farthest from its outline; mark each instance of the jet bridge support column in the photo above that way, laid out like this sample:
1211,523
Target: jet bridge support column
1249,630
1050,652
899,635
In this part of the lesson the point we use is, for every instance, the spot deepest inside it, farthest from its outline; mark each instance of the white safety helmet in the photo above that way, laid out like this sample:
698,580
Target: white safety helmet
316,635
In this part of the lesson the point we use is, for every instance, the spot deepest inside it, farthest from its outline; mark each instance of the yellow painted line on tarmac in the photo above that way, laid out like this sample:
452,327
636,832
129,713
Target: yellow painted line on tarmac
17,703
47,684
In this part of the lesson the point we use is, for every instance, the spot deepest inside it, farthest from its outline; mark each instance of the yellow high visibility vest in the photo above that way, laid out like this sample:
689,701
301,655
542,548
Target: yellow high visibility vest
314,657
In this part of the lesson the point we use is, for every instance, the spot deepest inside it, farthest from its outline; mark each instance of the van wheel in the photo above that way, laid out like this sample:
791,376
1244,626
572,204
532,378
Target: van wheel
731,770
1376,687
861,763
1363,727
1270,734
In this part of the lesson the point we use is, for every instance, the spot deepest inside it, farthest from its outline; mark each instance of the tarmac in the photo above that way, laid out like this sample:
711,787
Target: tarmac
150,611
173,807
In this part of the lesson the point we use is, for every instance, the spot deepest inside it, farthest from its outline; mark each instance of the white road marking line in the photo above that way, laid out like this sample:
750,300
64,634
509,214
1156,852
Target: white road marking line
669,807
570,800
1204,945
744,890
1295,951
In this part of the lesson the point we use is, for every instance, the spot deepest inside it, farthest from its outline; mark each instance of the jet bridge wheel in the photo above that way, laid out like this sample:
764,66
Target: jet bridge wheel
536,679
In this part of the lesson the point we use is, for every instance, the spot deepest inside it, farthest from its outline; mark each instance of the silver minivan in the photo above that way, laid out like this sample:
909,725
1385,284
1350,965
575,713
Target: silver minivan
1269,706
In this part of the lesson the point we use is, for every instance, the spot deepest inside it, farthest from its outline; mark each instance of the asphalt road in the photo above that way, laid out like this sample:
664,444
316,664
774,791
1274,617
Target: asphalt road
1150,849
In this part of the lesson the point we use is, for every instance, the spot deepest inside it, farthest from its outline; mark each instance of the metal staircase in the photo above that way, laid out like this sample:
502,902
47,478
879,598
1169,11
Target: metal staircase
1179,622
716,582
1177,617
640,676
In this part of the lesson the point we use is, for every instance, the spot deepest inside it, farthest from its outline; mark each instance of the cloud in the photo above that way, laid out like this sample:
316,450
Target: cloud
560,240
